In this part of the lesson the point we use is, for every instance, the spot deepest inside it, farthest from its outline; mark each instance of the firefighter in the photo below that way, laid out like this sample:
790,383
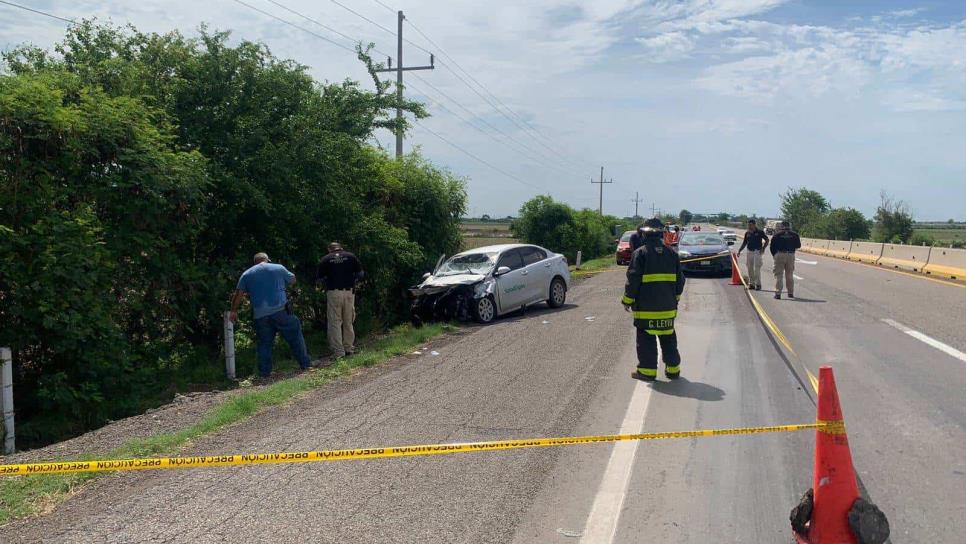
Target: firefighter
654,286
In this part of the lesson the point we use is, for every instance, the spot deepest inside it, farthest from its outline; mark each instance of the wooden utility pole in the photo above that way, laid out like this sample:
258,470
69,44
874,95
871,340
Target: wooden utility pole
399,69
600,208
636,200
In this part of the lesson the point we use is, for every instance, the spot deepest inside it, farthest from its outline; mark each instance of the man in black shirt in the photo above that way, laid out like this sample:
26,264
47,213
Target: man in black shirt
339,271
783,246
756,242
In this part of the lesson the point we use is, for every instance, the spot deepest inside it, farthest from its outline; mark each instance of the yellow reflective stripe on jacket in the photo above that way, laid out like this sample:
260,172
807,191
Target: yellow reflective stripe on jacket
651,372
653,332
651,278
627,300
664,314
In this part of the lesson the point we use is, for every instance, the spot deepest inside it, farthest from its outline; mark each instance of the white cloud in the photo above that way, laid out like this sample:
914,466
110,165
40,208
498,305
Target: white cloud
907,12
667,47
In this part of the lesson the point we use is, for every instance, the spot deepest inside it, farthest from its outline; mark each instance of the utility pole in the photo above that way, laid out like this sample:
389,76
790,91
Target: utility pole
601,183
399,69
636,200
652,210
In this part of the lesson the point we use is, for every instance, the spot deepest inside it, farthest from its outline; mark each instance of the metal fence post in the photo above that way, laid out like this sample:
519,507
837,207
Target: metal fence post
6,394
578,260
229,347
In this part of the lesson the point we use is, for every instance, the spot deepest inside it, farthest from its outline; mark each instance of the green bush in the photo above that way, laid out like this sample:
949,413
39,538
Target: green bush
139,173
558,227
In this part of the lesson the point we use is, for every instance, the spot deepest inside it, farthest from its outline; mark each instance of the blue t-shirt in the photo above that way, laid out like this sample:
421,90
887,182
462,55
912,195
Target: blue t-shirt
265,284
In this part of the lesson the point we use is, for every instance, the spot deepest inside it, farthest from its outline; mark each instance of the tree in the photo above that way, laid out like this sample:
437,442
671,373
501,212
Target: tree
800,206
839,224
723,218
558,227
893,220
685,217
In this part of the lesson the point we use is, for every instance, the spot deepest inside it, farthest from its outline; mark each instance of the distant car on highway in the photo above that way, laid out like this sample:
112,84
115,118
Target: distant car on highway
487,282
694,245
624,249
729,236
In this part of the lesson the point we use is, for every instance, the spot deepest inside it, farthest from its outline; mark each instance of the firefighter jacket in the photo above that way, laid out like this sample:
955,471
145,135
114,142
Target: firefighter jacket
654,286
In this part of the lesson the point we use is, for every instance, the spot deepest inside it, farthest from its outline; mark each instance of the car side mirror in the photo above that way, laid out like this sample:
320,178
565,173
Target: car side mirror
502,270
426,276
730,243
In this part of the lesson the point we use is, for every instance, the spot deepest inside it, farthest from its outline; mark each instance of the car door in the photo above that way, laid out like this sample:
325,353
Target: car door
511,288
539,273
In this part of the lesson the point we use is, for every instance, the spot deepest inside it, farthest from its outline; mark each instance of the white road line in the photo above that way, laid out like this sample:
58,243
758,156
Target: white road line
797,260
945,348
601,527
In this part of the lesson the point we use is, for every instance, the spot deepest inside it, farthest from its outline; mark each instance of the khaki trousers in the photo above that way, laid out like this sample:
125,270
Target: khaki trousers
341,312
753,262
784,270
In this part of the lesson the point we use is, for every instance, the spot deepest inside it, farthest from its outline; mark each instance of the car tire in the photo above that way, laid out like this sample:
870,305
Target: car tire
558,293
484,310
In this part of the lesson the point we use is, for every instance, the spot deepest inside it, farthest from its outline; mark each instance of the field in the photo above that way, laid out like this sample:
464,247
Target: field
943,235
479,234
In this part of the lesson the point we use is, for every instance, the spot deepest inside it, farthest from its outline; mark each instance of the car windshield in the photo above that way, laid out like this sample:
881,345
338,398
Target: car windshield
702,239
468,263
627,236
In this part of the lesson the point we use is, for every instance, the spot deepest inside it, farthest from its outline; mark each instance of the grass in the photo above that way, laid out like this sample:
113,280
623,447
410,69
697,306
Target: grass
22,496
593,266
943,235
473,242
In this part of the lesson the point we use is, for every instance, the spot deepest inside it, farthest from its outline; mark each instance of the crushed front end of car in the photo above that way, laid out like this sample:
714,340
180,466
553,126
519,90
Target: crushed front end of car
448,298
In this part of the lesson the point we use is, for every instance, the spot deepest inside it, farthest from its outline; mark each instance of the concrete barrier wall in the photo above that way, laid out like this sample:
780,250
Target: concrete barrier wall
813,245
903,257
838,249
948,263
866,252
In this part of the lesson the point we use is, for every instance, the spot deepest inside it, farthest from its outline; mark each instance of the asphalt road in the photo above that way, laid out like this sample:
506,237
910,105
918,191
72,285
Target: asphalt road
558,373
904,398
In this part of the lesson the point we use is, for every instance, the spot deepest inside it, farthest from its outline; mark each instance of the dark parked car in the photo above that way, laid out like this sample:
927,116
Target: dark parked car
694,246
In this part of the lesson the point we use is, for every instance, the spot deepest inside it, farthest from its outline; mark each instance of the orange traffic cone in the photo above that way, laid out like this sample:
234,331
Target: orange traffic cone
735,271
835,487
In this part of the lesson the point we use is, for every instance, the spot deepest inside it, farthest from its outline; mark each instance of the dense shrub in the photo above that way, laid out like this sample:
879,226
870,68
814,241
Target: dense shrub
138,175
558,227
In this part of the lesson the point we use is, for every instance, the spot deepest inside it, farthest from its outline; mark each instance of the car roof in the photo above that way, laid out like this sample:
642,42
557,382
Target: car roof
499,248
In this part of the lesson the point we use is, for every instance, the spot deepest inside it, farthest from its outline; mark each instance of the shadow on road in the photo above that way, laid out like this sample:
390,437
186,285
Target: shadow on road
800,299
683,387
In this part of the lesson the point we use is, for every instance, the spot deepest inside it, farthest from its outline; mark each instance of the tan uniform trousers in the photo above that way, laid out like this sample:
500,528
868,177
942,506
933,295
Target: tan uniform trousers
753,262
785,270
341,313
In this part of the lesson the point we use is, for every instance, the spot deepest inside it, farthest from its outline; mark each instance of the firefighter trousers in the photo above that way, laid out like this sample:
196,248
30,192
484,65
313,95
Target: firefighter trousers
647,353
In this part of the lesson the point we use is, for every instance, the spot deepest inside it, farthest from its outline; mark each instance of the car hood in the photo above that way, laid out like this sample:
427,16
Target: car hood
703,250
456,279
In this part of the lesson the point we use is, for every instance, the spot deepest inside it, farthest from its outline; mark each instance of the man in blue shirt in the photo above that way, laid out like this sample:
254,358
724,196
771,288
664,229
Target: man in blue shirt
265,285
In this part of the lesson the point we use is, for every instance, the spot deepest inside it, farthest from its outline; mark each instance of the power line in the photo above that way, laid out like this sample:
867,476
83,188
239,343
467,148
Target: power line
393,10
467,153
525,127
386,29
469,122
37,11
311,20
290,23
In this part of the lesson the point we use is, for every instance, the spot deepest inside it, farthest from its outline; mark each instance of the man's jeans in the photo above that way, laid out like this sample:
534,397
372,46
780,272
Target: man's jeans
291,329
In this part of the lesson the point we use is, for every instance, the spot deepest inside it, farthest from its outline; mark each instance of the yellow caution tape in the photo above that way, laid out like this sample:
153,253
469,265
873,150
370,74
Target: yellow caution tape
379,453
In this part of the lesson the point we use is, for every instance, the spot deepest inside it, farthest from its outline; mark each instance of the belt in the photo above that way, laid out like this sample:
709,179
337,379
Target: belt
792,252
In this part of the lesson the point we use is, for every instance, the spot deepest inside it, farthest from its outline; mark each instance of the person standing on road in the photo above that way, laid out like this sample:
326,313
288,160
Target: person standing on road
756,242
654,286
339,272
783,246
264,284
637,239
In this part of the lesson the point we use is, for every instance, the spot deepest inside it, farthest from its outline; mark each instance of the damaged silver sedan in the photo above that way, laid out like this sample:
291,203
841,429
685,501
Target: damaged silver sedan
486,282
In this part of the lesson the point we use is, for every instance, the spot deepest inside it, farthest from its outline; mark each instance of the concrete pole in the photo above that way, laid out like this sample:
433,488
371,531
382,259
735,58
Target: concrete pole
229,347
399,85
6,394
578,260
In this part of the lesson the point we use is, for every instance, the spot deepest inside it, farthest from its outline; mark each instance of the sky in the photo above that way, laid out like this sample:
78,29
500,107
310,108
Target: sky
708,105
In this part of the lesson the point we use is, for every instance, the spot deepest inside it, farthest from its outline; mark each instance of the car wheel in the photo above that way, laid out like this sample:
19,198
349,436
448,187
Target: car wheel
484,311
558,293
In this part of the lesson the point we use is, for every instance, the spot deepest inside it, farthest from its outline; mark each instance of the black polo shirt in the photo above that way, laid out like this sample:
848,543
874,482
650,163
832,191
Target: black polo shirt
755,241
